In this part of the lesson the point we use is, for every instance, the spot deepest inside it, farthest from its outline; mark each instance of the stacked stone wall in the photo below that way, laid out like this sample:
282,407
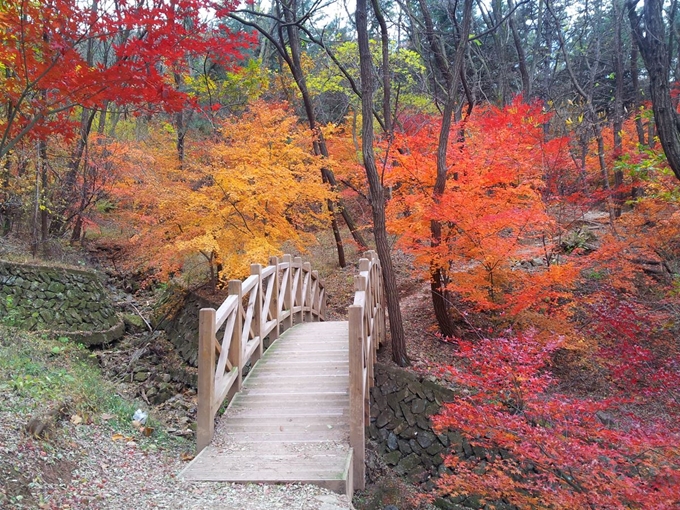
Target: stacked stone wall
402,404
71,302
177,315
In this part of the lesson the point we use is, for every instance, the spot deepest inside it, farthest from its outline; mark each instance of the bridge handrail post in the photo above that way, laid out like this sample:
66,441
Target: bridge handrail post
205,426
288,298
357,424
274,303
307,305
298,298
236,346
258,327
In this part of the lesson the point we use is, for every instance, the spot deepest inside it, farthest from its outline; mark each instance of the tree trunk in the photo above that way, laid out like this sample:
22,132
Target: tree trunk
377,191
634,73
320,148
618,106
4,204
44,211
521,57
649,32
451,74
68,192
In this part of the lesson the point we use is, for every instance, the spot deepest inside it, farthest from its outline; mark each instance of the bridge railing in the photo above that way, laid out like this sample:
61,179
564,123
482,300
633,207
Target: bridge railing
366,333
269,301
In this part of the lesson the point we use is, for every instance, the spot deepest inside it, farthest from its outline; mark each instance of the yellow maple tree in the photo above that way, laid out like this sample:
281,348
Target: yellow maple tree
239,196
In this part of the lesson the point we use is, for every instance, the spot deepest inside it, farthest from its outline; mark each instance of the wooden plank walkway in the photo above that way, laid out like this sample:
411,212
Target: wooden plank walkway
290,423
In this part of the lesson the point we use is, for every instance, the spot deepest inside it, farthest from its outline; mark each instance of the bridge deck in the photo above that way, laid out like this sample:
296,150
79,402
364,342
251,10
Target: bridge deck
290,423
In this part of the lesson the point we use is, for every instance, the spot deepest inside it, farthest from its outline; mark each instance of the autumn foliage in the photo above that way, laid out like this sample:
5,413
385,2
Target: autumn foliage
494,211
245,192
539,448
48,62
151,128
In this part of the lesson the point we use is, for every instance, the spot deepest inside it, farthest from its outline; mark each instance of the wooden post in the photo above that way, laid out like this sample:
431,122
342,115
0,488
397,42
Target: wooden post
256,269
298,298
274,303
288,293
307,305
316,294
322,307
236,347
357,433
205,426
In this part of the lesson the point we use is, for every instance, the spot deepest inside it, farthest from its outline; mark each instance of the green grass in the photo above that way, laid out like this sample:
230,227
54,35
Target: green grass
39,372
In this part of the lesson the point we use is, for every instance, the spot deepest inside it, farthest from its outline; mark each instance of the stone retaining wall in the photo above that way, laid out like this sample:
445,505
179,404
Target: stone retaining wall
71,302
177,315
401,406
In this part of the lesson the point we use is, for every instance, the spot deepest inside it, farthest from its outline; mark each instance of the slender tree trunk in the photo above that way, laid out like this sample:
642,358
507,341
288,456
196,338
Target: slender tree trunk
618,105
67,194
5,208
377,190
452,75
386,78
320,148
634,73
44,211
521,57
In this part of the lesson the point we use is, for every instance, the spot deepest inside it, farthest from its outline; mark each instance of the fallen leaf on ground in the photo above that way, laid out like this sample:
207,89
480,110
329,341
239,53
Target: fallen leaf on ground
76,420
107,416
186,457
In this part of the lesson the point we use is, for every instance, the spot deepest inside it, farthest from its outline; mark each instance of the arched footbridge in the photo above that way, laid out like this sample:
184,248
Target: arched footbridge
299,415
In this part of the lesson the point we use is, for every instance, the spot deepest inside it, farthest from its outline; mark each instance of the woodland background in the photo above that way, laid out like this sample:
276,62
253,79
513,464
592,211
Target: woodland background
525,154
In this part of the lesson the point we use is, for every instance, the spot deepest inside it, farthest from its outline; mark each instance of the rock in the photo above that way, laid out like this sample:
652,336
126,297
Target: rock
425,439
383,419
418,474
605,418
408,463
408,415
418,406
467,449
133,322
392,458
396,398
434,449
404,447
409,433
392,443
141,376
163,396
423,422
400,428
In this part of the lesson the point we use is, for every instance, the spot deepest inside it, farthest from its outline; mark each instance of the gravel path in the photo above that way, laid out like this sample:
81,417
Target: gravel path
89,466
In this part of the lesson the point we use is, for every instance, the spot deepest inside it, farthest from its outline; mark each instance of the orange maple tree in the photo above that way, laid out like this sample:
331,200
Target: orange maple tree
494,212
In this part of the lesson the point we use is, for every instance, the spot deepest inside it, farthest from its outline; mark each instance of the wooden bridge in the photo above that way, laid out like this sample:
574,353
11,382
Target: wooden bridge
300,413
